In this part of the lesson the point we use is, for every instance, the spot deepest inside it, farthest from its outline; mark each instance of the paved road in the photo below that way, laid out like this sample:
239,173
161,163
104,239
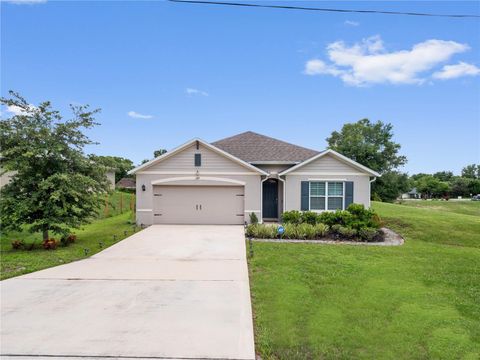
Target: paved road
169,291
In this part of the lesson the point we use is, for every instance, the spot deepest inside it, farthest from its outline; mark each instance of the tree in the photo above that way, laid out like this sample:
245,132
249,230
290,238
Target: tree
471,171
368,143
459,187
432,187
474,186
443,175
55,186
390,186
159,152
119,164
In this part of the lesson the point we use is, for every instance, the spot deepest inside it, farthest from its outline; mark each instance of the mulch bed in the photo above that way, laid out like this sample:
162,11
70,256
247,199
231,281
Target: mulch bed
391,238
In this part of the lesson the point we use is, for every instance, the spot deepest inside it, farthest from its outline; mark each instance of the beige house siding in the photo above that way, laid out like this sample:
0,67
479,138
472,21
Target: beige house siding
327,165
180,170
6,178
111,179
361,188
326,168
211,161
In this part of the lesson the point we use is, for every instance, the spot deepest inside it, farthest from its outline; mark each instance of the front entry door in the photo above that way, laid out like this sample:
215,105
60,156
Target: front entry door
270,199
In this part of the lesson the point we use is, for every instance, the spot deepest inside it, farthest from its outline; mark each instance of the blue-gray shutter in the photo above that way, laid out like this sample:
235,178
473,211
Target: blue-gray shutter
348,193
304,196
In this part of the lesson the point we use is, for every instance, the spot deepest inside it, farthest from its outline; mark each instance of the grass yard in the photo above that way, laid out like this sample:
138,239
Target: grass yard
417,301
17,262
467,207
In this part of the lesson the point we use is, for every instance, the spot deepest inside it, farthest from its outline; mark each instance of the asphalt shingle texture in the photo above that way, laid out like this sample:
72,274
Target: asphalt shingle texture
252,147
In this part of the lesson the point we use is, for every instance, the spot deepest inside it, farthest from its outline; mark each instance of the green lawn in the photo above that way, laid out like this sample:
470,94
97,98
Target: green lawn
466,207
417,301
17,262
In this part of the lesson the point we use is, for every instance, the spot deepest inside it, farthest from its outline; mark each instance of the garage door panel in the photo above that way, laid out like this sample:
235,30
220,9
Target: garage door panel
198,205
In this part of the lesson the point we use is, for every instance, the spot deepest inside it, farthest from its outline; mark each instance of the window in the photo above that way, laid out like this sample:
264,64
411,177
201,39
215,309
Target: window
326,195
198,159
317,196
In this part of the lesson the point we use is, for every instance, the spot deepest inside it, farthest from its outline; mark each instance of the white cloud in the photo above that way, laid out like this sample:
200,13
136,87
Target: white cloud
25,2
351,23
136,115
191,91
456,71
17,110
368,62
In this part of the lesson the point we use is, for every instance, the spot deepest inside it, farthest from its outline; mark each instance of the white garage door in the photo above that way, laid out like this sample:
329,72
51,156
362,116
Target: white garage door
198,205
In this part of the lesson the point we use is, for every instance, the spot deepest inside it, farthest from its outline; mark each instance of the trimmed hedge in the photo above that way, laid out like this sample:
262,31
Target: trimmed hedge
354,224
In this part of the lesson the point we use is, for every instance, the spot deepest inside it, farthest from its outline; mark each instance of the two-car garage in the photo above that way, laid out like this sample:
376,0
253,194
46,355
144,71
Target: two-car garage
203,204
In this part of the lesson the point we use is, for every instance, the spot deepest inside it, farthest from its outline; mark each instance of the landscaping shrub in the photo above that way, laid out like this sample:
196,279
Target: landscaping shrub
369,234
253,218
309,217
50,244
339,217
17,244
321,230
292,217
345,232
261,231
356,223
290,231
250,230
306,231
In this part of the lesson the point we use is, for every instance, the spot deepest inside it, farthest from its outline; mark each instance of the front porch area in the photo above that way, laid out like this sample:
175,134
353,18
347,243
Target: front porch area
272,199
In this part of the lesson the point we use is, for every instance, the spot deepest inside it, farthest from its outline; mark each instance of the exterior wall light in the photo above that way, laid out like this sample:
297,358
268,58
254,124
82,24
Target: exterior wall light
143,187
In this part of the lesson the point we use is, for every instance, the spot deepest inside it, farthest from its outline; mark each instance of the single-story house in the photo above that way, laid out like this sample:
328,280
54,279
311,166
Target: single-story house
225,181
412,194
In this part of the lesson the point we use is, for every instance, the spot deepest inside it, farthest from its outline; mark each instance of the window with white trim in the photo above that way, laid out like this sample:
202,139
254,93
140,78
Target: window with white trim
327,195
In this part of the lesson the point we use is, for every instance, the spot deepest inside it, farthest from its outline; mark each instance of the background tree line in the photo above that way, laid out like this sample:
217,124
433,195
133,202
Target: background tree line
372,145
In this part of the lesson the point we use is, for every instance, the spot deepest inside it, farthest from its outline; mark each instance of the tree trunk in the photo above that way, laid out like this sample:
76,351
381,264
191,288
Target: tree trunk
45,234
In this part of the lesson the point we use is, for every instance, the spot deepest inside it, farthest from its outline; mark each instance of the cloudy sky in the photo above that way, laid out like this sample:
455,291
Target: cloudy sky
164,73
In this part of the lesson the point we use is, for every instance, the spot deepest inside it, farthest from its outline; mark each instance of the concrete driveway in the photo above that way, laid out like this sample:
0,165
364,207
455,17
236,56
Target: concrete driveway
169,291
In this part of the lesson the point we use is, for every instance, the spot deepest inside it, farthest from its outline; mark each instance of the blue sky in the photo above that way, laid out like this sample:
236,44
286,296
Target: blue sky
164,73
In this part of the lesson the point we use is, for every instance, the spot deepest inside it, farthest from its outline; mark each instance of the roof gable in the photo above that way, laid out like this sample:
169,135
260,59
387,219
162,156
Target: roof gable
306,165
255,148
168,157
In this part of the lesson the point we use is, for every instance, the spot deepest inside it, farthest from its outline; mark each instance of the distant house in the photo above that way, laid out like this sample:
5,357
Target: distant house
111,178
5,177
412,194
126,183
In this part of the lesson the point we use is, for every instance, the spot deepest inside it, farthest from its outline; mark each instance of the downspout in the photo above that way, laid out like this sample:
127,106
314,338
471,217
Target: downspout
370,198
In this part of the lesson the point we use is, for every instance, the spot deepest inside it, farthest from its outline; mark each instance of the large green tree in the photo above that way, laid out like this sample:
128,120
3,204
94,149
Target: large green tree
55,186
371,145
390,185
430,186
368,143
471,171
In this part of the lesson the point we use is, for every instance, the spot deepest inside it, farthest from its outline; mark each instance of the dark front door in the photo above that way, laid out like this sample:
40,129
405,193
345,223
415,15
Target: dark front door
270,199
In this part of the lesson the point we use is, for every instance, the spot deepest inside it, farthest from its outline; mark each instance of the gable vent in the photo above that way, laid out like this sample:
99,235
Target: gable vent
198,159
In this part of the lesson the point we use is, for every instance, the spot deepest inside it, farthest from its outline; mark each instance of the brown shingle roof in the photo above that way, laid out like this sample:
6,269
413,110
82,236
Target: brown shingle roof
253,147
126,183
